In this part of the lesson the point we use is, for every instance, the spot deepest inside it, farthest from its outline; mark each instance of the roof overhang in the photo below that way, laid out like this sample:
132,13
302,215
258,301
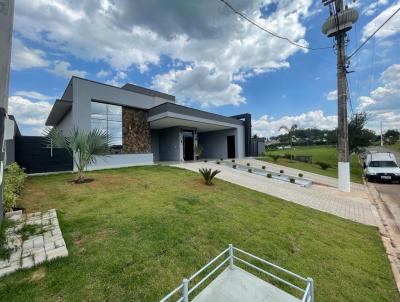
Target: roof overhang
171,115
57,113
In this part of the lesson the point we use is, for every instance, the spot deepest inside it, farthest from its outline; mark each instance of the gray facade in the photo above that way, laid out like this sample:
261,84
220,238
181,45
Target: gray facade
215,143
166,120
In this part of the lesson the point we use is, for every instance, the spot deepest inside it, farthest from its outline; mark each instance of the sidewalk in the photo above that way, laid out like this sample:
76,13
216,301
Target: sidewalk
353,206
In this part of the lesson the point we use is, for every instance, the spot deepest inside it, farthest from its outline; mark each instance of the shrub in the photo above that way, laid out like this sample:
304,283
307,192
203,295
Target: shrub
300,174
249,170
205,160
292,180
323,165
275,157
248,164
218,162
269,175
263,167
233,160
281,171
288,156
208,175
14,178
234,166
221,159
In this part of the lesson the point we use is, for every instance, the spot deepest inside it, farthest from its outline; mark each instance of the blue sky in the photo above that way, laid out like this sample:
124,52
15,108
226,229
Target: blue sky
202,53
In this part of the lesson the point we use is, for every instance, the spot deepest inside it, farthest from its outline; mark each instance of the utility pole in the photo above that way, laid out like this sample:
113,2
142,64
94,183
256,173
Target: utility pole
6,26
381,135
340,21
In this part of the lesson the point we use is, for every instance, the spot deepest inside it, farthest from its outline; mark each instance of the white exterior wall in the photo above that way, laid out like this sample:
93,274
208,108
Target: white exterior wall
121,160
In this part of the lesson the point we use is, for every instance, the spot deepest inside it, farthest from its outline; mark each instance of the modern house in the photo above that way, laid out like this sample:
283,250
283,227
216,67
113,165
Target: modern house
147,126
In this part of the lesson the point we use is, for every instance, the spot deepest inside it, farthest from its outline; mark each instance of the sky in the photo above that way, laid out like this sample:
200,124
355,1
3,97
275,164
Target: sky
208,57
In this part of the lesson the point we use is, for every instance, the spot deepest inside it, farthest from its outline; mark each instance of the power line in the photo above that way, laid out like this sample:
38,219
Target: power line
373,34
244,16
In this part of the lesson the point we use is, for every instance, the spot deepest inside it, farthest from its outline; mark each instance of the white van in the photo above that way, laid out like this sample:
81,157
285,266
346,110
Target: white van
381,166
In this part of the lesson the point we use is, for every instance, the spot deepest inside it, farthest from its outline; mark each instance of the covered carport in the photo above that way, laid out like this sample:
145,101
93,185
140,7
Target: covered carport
177,130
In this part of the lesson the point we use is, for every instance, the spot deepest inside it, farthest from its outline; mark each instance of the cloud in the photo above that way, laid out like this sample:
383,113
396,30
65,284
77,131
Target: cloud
201,36
268,126
34,95
23,57
201,84
390,29
384,101
103,74
373,7
62,69
116,80
332,95
29,114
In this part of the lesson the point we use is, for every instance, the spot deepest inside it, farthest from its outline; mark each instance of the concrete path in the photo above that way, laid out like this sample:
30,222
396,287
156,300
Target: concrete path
237,285
353,206
316,178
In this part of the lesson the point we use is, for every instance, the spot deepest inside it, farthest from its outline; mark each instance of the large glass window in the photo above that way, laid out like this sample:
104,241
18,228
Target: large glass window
108,118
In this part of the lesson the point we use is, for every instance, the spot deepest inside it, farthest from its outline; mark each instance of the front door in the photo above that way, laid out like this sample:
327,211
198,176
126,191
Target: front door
231,146
188,150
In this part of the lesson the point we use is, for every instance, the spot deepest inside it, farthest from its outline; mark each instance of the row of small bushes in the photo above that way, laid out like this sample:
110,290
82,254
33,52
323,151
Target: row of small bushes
14,178
322,165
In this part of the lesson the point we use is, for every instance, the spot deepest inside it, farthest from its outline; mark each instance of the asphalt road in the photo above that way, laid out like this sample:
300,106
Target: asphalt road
390,192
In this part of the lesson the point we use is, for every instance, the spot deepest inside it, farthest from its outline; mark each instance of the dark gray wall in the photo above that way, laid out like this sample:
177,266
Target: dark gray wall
169,143
215,143
155,146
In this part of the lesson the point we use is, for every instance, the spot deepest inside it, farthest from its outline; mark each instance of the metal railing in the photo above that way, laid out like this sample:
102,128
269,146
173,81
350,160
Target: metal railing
307,292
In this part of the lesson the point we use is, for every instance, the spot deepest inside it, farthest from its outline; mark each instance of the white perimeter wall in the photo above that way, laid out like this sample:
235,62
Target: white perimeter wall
121,160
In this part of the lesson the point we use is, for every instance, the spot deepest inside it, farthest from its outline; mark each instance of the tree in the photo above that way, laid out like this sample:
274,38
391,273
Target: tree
83,146
359,136
391,136
290,131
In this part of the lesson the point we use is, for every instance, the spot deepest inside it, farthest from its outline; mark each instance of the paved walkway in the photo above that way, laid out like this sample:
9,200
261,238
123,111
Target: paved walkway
44,244
316,178
353,206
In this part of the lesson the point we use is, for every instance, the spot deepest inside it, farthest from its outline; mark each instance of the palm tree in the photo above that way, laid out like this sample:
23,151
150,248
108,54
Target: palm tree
82,145
290,132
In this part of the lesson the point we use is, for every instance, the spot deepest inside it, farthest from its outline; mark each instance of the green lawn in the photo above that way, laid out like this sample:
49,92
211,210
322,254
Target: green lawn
326,154
133,233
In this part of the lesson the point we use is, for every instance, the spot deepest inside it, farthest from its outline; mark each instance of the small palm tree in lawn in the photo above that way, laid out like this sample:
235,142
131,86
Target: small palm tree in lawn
291,131
82,145
208,175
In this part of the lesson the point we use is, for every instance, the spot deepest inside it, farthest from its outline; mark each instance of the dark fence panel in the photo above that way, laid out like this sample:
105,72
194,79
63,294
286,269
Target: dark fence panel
32,154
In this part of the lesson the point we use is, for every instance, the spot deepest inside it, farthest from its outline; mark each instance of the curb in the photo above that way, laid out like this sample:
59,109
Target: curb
387,231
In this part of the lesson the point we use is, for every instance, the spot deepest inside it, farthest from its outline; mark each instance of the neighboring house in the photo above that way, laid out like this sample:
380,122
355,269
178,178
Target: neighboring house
147,125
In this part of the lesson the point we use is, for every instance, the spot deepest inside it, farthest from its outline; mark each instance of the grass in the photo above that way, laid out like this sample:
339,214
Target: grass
4,250
134,233
28,230
325,154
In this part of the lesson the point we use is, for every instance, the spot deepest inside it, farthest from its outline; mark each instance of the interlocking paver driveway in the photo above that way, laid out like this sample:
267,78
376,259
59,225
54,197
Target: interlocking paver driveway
354,206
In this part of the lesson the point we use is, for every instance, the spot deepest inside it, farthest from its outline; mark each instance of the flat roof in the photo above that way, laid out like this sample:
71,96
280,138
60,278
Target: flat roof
147,91
179,109
58,111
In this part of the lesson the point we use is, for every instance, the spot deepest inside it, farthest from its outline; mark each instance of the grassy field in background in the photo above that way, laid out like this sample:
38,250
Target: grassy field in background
134,233
327,154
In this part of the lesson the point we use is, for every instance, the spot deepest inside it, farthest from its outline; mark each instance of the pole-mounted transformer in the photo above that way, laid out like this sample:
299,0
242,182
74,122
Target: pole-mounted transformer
340,21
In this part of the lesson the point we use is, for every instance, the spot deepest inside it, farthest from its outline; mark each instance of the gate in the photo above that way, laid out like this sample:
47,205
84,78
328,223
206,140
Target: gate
32,153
